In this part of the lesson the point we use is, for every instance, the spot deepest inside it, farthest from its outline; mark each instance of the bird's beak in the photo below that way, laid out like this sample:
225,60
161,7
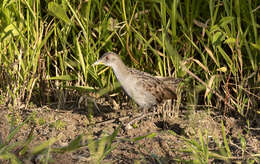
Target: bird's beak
97,63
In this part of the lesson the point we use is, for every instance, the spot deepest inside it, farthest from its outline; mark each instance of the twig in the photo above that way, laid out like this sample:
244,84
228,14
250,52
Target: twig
139,118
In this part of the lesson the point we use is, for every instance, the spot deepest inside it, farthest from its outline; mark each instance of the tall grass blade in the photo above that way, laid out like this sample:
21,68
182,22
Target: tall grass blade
225,140
59,12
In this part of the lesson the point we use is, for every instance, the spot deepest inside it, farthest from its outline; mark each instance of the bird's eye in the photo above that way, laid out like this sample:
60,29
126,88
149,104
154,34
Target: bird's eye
107,58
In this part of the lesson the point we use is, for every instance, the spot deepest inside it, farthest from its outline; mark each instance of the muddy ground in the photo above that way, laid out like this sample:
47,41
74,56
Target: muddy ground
71,120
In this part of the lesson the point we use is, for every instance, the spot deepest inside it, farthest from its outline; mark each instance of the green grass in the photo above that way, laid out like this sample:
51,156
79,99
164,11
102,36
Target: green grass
47,47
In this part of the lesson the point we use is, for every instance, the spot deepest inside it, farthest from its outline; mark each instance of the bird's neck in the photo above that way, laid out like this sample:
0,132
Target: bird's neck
120,70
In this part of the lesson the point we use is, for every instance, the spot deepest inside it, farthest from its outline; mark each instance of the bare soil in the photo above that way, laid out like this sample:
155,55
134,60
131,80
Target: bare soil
71,121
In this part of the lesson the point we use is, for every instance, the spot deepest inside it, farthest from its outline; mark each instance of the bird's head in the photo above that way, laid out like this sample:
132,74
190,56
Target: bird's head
108,59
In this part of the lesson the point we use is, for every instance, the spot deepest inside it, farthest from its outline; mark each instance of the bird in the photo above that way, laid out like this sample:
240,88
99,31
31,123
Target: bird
145,89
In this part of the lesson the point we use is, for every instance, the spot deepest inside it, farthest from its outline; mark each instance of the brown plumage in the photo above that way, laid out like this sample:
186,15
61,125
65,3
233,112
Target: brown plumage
146,90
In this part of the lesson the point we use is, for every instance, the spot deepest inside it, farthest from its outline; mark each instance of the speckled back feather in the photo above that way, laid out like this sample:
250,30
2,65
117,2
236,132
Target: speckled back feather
160,87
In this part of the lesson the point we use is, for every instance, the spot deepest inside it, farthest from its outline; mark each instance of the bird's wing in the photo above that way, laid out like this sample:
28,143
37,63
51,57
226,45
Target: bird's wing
170,82
160,88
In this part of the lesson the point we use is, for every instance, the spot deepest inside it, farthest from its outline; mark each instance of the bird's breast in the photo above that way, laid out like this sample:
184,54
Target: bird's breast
137,92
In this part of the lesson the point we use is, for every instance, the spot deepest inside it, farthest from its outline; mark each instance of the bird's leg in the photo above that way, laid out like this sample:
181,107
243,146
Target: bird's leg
145,110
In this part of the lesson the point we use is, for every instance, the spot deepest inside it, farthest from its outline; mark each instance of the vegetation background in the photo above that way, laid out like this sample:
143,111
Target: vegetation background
47,48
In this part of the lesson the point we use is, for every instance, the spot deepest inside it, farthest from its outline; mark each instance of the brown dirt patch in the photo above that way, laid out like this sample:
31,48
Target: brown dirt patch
70,122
